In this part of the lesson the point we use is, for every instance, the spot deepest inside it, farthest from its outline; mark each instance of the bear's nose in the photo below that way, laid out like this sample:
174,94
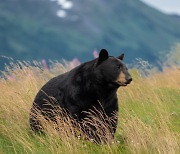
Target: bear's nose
129,81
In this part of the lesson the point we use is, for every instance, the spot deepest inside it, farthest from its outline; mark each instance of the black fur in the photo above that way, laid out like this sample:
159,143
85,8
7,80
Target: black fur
90,85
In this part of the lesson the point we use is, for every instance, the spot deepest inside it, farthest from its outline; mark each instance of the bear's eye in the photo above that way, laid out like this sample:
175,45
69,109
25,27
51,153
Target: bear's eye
118,66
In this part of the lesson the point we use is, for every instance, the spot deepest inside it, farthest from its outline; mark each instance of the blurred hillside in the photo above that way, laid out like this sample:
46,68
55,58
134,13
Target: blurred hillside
31,29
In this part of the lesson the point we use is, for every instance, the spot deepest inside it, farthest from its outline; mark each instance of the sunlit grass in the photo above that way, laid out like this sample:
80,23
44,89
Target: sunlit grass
149,114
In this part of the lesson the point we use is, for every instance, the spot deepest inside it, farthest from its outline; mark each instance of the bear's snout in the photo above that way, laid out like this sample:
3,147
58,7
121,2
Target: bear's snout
129,81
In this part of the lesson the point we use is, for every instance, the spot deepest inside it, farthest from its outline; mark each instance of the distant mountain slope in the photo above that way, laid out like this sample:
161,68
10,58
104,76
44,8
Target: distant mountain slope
175,16
30,29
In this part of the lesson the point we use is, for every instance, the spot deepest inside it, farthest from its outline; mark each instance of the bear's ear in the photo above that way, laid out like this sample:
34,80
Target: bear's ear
103,55
121,57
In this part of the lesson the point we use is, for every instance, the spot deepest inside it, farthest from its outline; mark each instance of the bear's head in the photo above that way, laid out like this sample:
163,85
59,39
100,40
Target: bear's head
112,69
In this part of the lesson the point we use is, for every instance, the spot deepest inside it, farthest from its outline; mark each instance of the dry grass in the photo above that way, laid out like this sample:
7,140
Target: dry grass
149,116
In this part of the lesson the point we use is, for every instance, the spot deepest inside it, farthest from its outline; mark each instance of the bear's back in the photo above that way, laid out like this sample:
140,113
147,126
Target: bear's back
51,90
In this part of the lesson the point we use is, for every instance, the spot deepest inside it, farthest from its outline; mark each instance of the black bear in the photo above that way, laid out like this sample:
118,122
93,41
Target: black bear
89,86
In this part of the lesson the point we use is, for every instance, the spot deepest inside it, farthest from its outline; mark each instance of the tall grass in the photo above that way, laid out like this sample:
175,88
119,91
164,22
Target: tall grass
149,116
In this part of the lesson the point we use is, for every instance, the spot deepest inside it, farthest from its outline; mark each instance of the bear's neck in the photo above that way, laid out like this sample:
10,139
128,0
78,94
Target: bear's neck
106,89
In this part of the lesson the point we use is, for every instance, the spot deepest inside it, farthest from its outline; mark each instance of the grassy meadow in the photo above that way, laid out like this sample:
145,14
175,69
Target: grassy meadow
149,114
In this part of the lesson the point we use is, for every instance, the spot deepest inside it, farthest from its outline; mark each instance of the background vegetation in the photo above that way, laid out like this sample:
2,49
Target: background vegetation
31,29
